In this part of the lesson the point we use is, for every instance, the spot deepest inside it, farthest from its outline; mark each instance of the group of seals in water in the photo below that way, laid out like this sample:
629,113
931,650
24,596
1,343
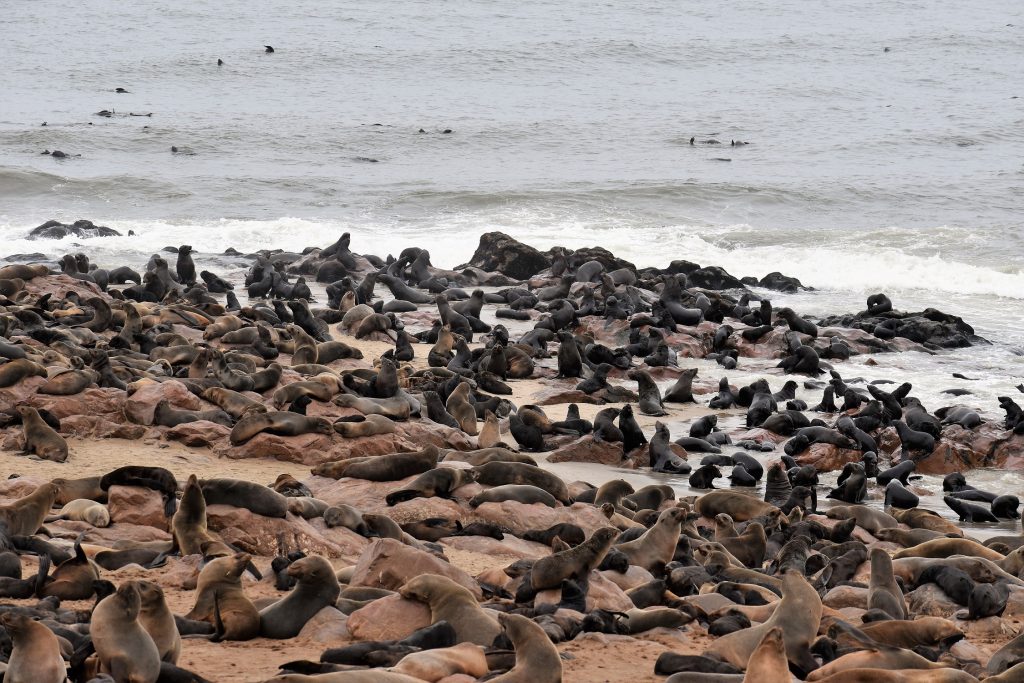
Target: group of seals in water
766,575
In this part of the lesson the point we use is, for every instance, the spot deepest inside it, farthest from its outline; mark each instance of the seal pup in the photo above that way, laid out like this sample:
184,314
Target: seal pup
451,602
123,647
575,562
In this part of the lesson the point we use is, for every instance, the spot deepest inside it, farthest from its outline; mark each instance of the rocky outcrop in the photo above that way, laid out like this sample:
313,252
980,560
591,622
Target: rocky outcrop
82,229
388,564
259,535
140,405
714,277
389,618
136,505
499,252
930,327
587,449
780,283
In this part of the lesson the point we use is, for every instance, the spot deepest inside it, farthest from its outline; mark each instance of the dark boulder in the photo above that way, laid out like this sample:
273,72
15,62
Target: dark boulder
497,252
82,229
781,283
714,277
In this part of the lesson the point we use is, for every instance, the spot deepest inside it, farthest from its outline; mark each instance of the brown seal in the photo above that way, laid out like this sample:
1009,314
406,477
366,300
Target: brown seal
656,547
768,662
395,408
312,388
433,665
920,518
188,526
72,579
77,489
233,403
35,657
124,649
884,657
460,408
501,473
14,371
739,506
537,660
317,588
490,432
41,438
364,425
391,467
576,562
277,422
26,515
156,617
448,601
520,493
221,601
68,383
944,547
798,614
883,592
924,631
440,482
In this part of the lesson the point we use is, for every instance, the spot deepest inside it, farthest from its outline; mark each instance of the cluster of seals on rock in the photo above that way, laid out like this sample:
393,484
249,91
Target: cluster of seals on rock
757,574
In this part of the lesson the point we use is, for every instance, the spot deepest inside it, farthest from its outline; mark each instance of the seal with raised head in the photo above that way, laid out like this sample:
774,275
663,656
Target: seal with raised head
124,649
317,588
655,548
40,438
574,563
537,660
883,591
220,599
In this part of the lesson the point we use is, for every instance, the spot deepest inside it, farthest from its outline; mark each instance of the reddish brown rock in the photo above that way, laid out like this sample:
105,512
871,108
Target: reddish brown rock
95,427
602,594
181,573
555,395
611,333
98,403
587,449
826,457
139,407
135,533
520,518
388,618
509,546
136,505
199,434
388,563
846,596
368,497
327,626
259,535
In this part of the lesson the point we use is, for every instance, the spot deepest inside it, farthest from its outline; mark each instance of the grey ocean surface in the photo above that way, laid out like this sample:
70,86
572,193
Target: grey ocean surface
867,170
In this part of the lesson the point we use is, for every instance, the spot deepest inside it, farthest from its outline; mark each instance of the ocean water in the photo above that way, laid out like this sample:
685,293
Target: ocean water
886,138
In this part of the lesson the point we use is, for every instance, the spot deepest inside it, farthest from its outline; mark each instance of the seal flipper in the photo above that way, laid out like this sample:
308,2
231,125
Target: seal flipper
218,621
169,673
401,496
42,575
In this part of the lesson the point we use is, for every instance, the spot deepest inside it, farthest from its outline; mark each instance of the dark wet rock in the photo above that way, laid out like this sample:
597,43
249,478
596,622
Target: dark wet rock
580,256
499,252
83,229
714,277
930,327
781,283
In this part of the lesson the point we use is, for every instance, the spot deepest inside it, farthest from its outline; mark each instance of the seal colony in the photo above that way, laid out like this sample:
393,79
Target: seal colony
432,539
